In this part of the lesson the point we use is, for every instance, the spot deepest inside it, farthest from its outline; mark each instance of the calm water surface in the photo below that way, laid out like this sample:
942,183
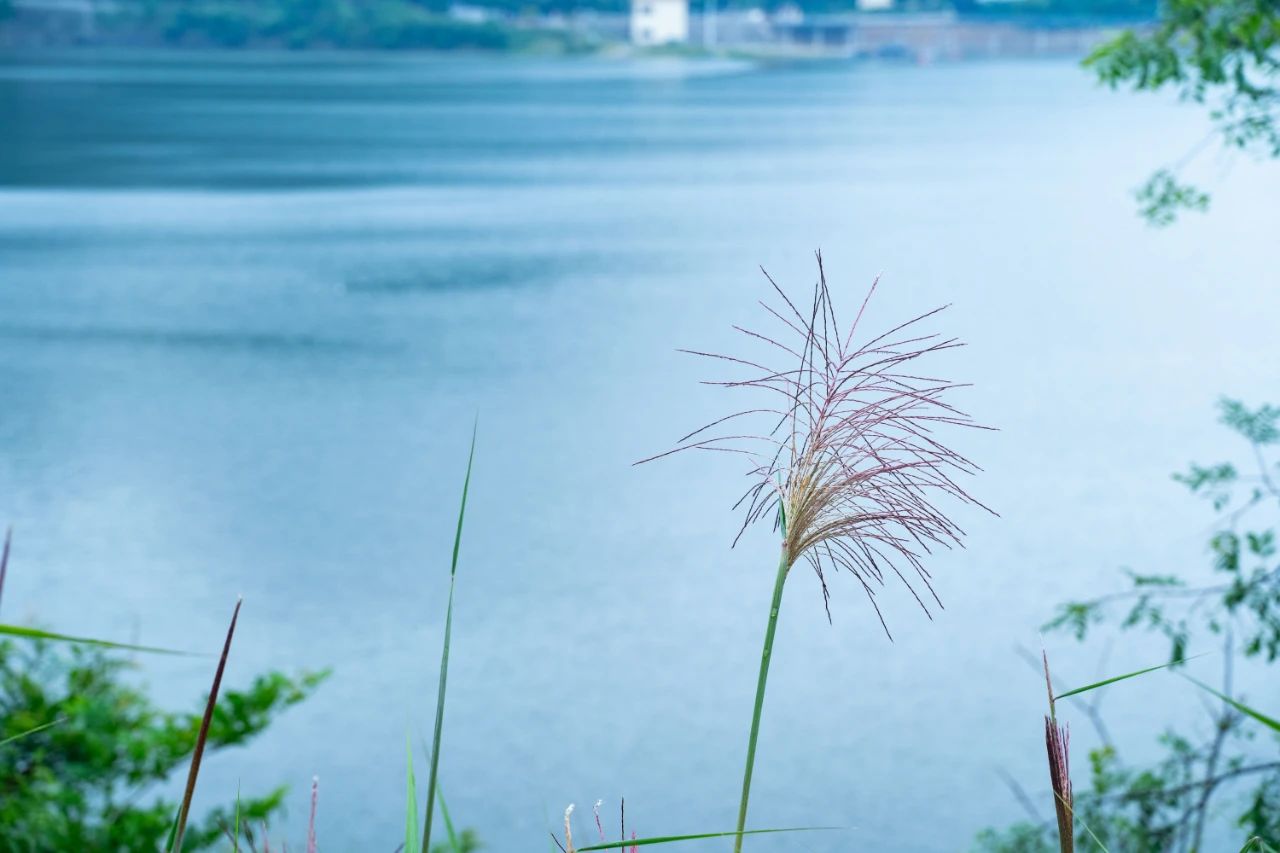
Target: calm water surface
250,305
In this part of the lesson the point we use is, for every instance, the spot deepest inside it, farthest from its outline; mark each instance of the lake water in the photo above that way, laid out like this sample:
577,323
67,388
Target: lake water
250,306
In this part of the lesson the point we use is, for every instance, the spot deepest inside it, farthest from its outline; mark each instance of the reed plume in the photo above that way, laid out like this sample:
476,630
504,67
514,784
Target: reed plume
847,461
1057,740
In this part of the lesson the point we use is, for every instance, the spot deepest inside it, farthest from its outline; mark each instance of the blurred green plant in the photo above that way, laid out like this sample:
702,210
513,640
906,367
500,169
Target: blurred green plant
1224,54
94,781
1166,805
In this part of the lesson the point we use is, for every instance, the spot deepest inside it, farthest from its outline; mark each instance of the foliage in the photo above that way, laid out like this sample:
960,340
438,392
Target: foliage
355,23
466,842
90,782
388,24
1219,53
1165,806
1162,196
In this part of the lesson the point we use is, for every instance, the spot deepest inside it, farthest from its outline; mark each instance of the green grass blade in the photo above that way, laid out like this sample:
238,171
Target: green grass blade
4,557
184,810
444,656
1096,839
25,633
669,839
236,832
454,844
1077,819
30,732
36,634
1104,682
411,804
1257,845
1269,722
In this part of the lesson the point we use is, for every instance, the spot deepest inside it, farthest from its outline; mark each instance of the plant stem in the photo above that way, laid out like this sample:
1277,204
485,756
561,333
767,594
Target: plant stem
783,567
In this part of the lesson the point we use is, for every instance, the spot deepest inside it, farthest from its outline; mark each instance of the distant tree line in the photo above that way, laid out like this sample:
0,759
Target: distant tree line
513,25
427,23
405,24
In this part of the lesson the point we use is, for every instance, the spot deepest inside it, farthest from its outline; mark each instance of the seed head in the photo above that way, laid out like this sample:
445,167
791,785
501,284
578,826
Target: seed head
846,455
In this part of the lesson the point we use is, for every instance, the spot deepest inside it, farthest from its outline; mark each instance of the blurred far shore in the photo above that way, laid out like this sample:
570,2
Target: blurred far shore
917,31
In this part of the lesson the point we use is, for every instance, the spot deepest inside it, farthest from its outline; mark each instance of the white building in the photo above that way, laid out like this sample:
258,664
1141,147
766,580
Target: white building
656,22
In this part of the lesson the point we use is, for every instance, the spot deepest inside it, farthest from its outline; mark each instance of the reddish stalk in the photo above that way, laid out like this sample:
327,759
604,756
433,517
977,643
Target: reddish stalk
1057,739
185,809
311,823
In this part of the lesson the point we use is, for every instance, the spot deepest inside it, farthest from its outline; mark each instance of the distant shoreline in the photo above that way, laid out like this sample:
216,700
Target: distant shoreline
921,38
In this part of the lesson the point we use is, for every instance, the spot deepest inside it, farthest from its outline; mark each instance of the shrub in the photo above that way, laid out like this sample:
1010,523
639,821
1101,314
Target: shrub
91,781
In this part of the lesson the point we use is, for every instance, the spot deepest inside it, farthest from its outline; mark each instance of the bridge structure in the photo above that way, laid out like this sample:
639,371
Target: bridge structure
928,37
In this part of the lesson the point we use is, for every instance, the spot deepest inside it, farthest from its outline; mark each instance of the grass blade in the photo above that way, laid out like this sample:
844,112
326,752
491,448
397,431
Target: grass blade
1258,845
454,844
411,805
1269,722
184,810
668,839
25,633
236,833
29,732
1096,839
444,656
4,557
1104,682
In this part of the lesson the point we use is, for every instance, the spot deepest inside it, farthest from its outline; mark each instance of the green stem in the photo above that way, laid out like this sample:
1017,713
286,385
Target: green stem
783,567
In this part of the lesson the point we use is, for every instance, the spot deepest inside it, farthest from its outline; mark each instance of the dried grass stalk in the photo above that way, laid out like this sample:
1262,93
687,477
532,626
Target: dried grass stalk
845,455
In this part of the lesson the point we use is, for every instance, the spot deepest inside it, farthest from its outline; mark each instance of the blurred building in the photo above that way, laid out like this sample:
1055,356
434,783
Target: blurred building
655,22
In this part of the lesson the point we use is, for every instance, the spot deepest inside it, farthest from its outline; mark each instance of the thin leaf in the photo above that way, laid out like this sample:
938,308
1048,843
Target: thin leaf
4,557
1114,679
236,835
667,839
1269,722
444,656
25,633
411,805
184,810
1258,845
1076,817
454,844
29,732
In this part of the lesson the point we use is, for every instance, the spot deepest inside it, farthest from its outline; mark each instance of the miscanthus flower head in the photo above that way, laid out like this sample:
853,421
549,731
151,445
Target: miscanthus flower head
846,452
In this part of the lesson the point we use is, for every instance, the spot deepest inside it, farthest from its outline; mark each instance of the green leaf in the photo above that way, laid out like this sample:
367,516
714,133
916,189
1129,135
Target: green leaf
1260,426
1269,722
411,804
454,844
667,839
444,656
36,634
1163,197
1104,682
